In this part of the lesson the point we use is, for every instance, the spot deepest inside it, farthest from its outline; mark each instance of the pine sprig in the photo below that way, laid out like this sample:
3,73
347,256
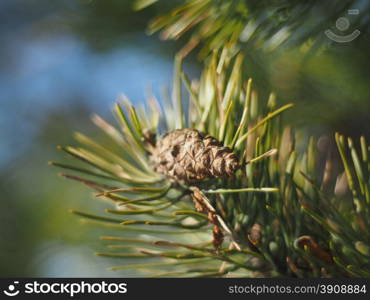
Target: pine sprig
279,215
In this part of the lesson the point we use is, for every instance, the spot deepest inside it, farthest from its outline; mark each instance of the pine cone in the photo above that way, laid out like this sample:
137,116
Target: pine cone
186,155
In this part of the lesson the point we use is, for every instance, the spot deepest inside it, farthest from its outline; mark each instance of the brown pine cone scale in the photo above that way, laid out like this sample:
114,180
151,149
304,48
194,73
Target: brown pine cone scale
186,155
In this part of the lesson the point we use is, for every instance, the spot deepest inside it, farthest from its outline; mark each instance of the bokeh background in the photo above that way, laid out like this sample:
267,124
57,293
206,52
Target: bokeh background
61,61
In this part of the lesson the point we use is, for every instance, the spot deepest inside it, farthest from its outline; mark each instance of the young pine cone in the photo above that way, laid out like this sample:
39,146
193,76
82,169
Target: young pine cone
186,155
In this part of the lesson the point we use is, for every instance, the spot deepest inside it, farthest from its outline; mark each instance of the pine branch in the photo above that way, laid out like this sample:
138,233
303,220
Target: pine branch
276,215
240,25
